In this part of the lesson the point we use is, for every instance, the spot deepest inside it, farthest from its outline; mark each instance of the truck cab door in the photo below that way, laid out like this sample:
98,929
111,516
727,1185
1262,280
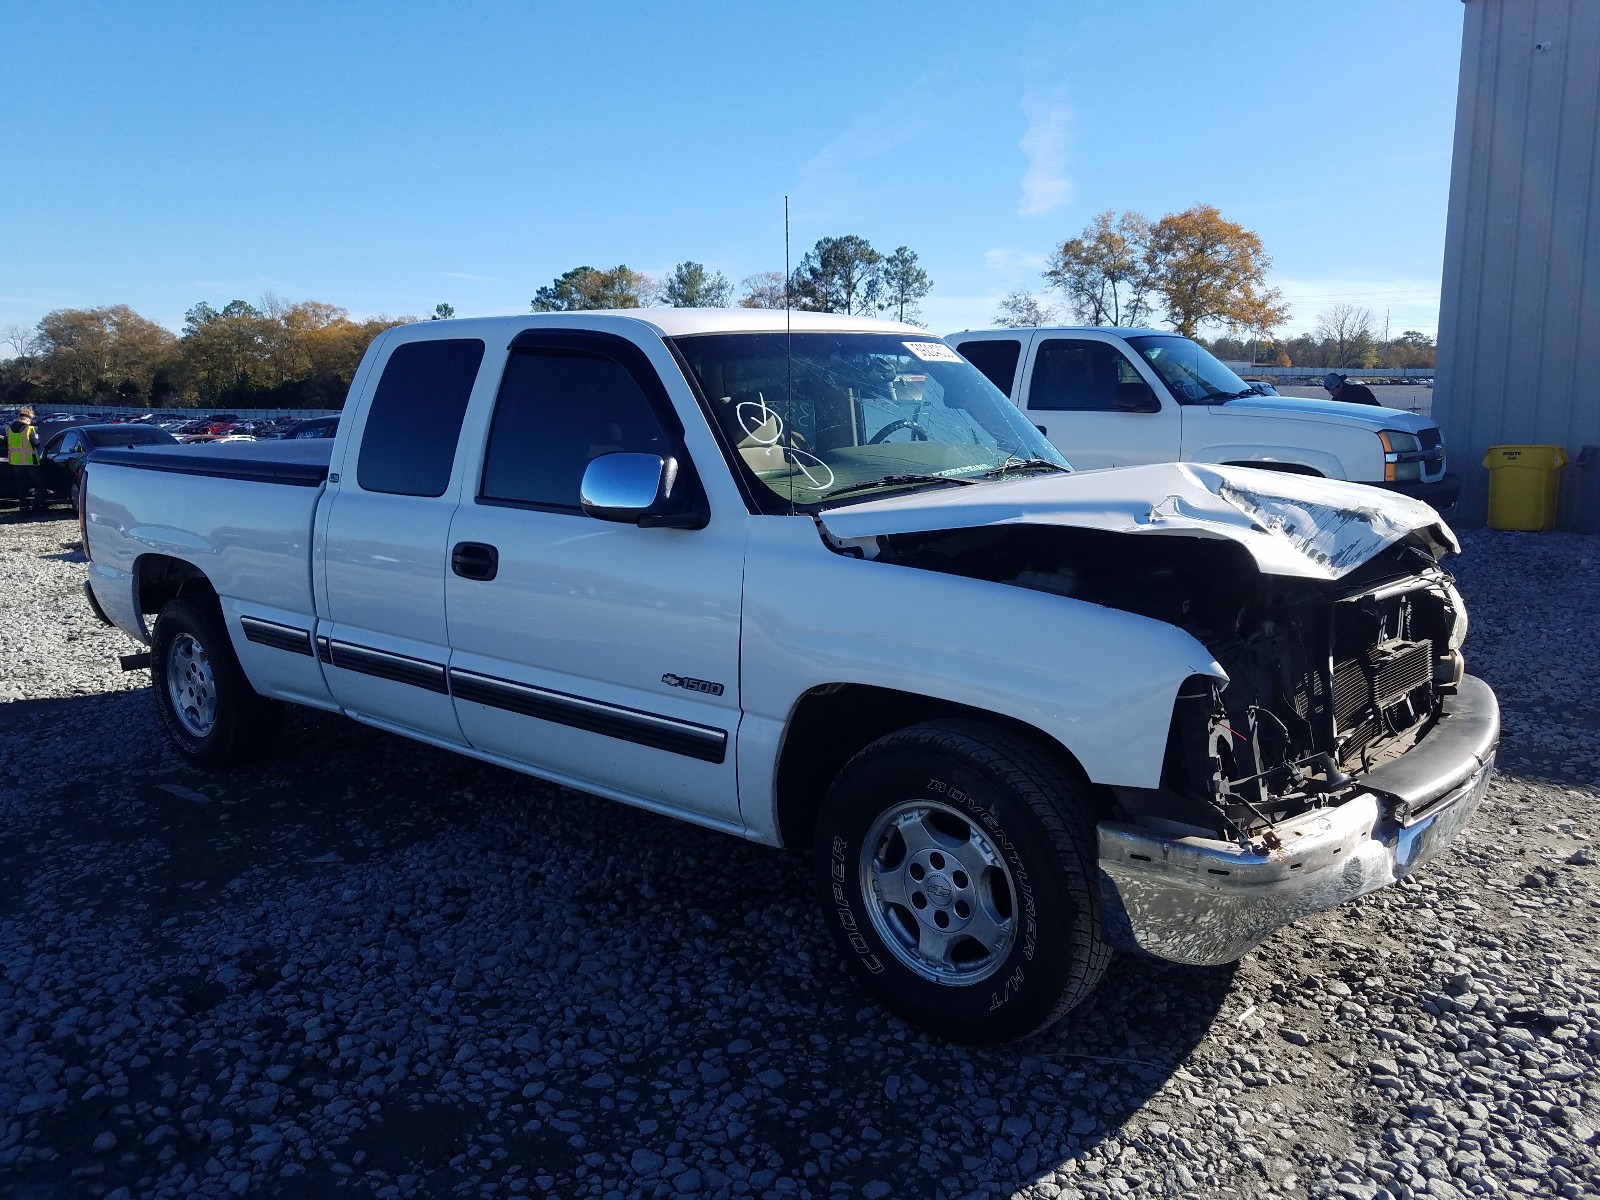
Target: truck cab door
382,640
1097,406
590,651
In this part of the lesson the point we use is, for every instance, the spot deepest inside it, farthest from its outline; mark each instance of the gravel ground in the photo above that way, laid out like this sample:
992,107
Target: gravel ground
367,967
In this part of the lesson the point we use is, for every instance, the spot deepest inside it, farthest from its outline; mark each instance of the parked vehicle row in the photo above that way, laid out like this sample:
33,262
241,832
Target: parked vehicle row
65,440
814,581
63,452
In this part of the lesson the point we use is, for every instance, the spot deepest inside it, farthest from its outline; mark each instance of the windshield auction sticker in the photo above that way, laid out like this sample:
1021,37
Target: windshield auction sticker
933,351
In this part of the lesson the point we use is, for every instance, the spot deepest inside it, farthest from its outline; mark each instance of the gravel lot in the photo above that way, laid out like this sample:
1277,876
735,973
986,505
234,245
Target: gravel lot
368,967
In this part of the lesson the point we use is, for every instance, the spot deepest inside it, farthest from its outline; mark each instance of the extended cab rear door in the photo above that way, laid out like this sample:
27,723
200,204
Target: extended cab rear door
592,651
384,540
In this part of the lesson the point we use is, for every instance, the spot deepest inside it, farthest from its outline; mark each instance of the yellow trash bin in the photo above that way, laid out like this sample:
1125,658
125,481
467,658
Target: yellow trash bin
1523,482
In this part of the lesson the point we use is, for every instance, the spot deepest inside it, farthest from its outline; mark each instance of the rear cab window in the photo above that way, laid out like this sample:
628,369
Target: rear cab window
996,357
408,445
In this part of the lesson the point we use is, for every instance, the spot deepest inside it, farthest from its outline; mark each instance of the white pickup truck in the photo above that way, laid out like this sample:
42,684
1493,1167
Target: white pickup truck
1115,397
815,582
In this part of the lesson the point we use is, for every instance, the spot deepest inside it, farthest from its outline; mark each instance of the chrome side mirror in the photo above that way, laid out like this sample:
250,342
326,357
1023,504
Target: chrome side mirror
625,487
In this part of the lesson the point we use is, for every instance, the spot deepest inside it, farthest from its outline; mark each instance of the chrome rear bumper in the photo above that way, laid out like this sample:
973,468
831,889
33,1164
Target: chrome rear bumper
1205,901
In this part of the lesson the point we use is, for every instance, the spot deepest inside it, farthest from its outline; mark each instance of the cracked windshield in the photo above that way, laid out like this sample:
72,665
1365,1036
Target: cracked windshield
868,414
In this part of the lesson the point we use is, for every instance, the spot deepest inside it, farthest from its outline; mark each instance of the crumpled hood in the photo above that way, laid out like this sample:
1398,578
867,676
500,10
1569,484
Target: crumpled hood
1294,525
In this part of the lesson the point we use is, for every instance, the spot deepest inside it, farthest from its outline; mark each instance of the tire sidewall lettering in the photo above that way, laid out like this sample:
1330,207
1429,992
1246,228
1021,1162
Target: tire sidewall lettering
845,911
1001,990
1028,905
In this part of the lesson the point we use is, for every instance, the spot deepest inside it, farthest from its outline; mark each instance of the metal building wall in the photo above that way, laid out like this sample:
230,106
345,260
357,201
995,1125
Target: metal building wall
1519,321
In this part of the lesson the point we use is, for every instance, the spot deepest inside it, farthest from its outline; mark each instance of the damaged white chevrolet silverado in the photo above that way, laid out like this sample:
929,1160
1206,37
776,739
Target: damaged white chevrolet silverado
817,583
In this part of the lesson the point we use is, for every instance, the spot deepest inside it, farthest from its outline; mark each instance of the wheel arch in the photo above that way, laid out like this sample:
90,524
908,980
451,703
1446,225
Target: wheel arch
831,723
158,578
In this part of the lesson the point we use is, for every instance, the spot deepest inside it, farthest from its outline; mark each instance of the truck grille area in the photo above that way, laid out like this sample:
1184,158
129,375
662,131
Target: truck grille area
1374,694
1324,685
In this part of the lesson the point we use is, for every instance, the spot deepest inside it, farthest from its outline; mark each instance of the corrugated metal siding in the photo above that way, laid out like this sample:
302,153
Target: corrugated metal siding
1519,321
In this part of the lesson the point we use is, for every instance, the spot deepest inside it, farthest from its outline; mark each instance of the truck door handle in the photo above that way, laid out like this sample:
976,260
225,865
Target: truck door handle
475,560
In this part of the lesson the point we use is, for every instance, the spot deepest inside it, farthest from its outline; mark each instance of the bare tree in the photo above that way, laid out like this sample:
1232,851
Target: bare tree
20,338
1348,331
765,290
1022,309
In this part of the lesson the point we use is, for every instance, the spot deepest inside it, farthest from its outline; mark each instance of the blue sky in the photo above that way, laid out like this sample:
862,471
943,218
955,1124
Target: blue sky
389,157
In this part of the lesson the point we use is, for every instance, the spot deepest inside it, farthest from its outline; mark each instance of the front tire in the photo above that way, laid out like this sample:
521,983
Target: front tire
212,715
957,869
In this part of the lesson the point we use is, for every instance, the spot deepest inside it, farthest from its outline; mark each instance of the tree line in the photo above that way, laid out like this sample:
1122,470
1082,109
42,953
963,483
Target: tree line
1192,270
274,354
838,275
278,354
1345,336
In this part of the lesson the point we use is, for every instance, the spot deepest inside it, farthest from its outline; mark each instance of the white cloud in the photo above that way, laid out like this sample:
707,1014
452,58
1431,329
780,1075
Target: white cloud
1046,184
472,278
862,165
1013,263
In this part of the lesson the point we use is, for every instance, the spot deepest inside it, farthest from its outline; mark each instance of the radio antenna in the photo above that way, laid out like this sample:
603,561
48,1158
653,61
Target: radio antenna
788,346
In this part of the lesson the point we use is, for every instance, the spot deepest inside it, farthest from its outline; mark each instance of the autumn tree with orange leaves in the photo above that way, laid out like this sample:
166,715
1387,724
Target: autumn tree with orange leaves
1195,268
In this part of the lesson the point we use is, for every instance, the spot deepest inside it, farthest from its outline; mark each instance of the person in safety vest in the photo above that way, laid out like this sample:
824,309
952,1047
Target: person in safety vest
22,452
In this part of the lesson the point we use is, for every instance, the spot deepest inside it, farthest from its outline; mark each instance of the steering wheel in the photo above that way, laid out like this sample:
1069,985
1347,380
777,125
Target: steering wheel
918,433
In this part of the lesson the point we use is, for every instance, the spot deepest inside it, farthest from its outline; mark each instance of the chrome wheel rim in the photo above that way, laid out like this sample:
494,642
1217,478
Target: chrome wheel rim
938,892
191,685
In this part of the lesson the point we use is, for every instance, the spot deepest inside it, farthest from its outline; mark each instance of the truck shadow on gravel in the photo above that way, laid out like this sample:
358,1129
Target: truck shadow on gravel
400,968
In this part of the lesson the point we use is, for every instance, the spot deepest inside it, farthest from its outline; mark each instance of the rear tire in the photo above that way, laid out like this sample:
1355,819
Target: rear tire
212,715
957,867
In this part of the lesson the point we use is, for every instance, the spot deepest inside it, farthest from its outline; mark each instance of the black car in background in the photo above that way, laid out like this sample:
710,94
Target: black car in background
62,453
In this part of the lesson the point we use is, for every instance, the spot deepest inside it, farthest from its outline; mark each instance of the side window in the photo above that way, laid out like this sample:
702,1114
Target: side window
557,410
996,358
409,442
69,444
1078,376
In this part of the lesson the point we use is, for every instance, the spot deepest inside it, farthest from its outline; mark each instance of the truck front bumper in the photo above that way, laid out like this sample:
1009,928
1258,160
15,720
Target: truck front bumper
1441,494
1205,901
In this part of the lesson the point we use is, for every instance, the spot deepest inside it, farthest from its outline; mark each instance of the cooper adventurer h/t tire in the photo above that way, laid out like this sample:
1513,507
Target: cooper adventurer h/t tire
957,866
214,717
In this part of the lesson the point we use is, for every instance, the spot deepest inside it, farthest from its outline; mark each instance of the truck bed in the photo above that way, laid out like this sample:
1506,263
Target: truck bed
245,511
301,463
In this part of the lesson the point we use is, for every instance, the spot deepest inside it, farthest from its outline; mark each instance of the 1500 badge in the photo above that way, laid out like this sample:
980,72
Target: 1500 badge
693,685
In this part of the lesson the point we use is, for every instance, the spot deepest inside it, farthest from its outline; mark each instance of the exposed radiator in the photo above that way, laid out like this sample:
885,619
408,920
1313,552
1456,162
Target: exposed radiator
1365,687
